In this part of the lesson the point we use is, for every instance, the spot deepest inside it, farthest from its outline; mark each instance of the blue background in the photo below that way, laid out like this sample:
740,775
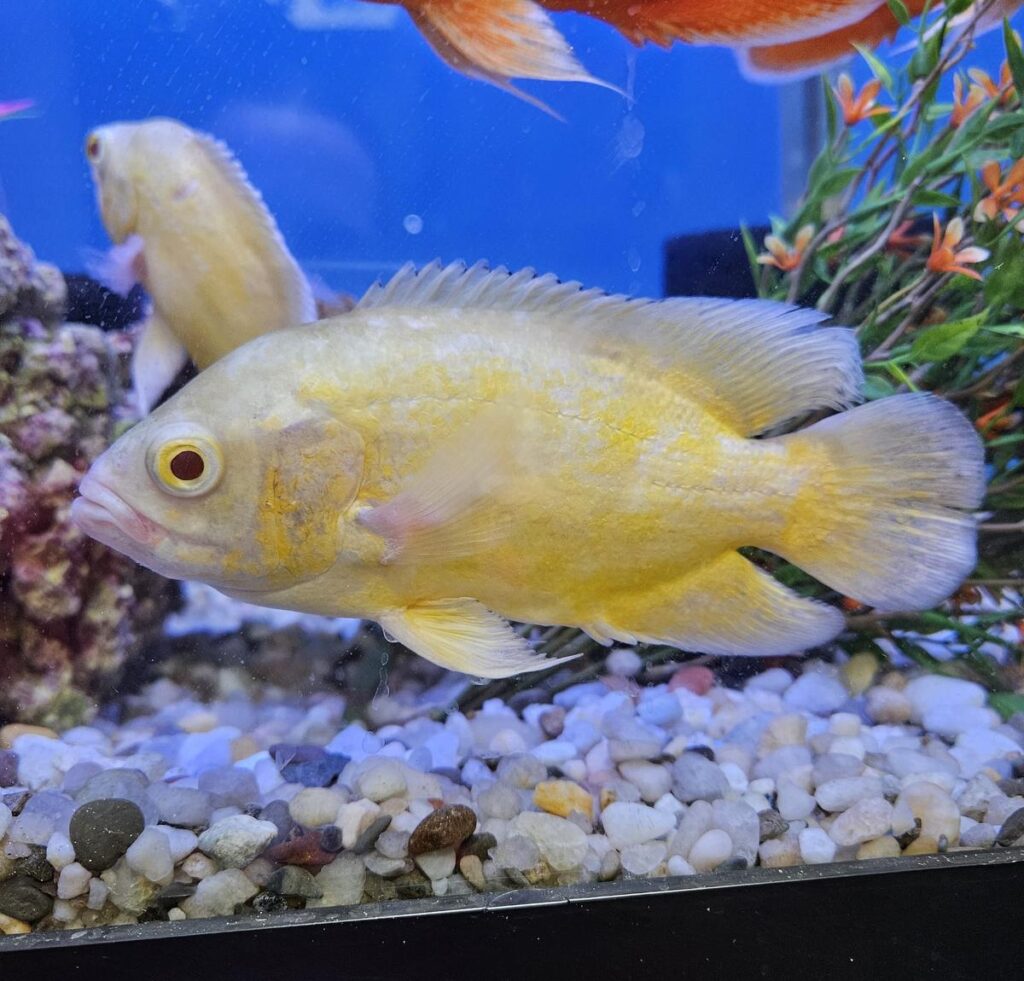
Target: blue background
348,132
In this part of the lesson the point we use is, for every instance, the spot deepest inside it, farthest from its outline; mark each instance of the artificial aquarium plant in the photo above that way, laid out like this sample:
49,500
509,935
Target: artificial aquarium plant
910,231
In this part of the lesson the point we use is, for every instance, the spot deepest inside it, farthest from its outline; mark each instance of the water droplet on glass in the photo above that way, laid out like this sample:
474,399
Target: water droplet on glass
388,637
479,681
413,224
633,259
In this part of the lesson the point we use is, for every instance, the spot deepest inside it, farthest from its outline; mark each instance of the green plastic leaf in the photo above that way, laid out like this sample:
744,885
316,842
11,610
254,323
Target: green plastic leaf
942,341
1014,56
877,68
838,181
1006,703
877,387
899,11
935,199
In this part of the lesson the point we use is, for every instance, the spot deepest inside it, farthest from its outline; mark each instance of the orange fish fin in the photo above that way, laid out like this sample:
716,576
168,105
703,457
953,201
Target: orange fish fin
753,363
738,22
498,40
121,267
727,607
452,506
463,635
799,59
157,358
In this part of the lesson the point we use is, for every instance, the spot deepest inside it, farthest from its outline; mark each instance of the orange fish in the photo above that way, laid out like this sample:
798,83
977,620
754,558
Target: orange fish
500,40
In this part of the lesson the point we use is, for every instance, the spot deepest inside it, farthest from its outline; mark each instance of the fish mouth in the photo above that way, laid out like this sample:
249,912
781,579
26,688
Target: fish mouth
104,515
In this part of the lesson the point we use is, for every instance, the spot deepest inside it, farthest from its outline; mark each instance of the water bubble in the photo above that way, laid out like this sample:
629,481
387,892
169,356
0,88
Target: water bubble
413,224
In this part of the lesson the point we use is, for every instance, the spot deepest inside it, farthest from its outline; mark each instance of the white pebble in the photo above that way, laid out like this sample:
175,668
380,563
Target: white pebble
73,881
677,865
561,842
181,841
633,824
150,856
59,851
314,806
937,691
867,819
236,840
382,779
887,705
6,817
844,792
437,865
816,847
643,859
710,850
816,692
98,892
792,802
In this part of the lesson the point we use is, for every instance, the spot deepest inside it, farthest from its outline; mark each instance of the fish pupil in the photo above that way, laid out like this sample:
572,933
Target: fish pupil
187,465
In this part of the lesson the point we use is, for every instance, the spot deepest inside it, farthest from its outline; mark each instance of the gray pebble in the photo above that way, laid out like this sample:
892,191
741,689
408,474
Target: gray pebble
697,778
524,772
1012,829
772,825
293,881
394,844
369,837
35,865
102,830
22,898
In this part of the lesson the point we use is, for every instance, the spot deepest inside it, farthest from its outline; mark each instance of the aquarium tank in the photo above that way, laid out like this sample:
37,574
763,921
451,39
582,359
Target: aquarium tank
462,448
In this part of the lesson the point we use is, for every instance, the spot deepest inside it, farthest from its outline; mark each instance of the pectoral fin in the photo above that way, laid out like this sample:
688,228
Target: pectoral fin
463,635
727,607
451,508
121,266
156,361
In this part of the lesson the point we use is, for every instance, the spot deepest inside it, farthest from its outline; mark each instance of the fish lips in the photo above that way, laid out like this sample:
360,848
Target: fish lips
104,515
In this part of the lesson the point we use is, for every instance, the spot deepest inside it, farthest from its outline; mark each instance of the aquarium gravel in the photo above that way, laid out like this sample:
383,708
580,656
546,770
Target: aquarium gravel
190,809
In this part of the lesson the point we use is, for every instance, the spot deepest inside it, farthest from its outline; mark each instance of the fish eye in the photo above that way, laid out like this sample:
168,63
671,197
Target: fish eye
93,147
186,464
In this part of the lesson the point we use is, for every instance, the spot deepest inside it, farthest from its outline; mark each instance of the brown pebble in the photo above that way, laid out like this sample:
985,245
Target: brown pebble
552,722
10,732
479,845
444,828
304,850
1012,829
472,870
8,768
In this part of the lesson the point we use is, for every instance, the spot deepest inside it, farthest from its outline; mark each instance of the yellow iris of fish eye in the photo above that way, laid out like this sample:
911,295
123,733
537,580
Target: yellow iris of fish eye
187,466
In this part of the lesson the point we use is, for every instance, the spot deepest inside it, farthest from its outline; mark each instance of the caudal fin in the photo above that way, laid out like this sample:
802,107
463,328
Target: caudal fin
885,522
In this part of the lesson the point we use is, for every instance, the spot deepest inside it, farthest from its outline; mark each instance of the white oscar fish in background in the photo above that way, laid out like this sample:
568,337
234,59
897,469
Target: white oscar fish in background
189,227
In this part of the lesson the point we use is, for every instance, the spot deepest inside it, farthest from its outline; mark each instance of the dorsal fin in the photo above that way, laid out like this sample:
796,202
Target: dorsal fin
753,363
226,163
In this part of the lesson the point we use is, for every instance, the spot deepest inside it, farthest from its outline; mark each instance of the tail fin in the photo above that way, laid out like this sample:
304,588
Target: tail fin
883,525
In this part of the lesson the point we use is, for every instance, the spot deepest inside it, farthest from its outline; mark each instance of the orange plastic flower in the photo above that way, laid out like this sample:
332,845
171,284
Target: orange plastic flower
783,256
997,420
961,108
1003,90
859,107
945,259
1007,194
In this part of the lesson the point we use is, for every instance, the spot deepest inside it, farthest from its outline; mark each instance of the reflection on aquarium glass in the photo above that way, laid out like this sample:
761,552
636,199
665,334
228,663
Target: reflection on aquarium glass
462,447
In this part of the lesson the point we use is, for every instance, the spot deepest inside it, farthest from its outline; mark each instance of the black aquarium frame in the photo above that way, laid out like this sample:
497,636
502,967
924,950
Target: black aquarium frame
944,916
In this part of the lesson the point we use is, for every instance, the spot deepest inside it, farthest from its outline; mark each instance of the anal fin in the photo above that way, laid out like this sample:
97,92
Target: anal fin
463,635
727,607
156,361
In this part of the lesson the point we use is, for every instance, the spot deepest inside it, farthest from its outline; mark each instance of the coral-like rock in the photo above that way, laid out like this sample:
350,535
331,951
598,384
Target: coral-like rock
72,613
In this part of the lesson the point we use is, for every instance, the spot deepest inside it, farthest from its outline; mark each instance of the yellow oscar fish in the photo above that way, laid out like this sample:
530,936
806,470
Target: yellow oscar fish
195,233
468,445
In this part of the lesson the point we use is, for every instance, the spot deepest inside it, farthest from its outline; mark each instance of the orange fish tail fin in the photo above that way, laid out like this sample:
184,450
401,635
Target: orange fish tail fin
498,40
881,517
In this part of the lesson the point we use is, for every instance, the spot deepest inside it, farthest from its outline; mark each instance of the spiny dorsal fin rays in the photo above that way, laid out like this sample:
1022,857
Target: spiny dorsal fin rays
463,635
754,363
226,163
